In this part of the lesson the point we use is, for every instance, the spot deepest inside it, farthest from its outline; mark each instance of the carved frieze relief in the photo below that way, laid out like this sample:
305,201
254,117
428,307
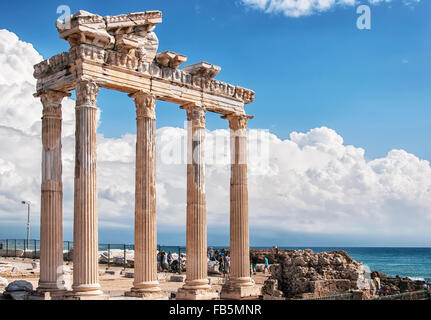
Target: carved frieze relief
152,69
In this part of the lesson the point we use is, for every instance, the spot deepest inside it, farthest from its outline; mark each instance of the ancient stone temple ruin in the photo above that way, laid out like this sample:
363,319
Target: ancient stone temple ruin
120,53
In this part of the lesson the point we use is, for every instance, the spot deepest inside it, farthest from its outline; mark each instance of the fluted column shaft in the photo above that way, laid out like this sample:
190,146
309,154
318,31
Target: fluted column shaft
51,217
145,195
85,233
239,225
196,247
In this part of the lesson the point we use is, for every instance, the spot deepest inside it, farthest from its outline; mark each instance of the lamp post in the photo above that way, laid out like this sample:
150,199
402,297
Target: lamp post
28,203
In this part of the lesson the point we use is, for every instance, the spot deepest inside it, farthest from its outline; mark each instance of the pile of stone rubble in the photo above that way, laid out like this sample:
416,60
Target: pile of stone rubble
303,274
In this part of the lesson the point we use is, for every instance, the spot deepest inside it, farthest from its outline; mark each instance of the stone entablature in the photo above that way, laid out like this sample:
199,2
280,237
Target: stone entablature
119,71
120,53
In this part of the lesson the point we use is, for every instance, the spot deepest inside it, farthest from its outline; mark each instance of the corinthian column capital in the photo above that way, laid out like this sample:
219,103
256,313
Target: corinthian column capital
196,114
86,93
145,104
51,101
237,121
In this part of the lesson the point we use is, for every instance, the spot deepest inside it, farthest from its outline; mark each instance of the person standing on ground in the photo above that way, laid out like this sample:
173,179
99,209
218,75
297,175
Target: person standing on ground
377,283
170,258
159,261
165,261
227,264
222,262
179,262
253,263
266,268
162,260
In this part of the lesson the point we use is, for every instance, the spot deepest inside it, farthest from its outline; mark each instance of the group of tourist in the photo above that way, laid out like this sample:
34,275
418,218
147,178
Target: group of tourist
253,263
222,257
167,262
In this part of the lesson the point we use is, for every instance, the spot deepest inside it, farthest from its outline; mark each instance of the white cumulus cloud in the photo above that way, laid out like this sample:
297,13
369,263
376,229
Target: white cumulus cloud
312,182
299,8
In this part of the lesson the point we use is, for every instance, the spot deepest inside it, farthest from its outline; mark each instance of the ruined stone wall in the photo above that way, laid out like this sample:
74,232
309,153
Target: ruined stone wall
303,274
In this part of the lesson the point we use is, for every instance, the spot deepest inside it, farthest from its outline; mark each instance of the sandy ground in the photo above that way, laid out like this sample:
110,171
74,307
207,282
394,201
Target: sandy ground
114,285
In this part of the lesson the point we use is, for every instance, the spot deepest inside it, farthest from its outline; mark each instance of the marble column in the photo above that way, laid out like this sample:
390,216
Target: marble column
145,284
197,285
239,285
85,227
51,217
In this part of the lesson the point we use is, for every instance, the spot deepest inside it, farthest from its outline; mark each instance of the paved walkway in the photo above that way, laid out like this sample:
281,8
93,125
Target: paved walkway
113,284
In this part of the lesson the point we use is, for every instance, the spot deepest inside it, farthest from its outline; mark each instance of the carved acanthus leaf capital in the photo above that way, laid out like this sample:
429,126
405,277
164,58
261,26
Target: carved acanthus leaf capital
237,121
145,104
86,93
196,114
51,101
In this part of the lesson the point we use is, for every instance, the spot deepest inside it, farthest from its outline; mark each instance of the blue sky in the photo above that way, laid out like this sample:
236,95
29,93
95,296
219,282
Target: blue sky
371,86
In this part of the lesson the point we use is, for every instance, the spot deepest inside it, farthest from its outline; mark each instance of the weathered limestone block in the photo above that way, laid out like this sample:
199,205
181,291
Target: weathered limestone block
216,281
129,34
213,267
178,278
323,288
162,276
87,28
11,252
202,69
270,290
170,59
134,33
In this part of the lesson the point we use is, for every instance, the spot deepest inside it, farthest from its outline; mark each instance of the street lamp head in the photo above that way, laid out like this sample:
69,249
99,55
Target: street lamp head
23,202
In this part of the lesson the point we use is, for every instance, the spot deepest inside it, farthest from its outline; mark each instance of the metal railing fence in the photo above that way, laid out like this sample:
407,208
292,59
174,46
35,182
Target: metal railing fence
414,295
109,253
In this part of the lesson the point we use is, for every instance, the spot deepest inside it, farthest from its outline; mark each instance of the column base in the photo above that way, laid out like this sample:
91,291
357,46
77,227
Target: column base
196,291
240,291
80,296
147,295
86,292
50,287
49,291
48,294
